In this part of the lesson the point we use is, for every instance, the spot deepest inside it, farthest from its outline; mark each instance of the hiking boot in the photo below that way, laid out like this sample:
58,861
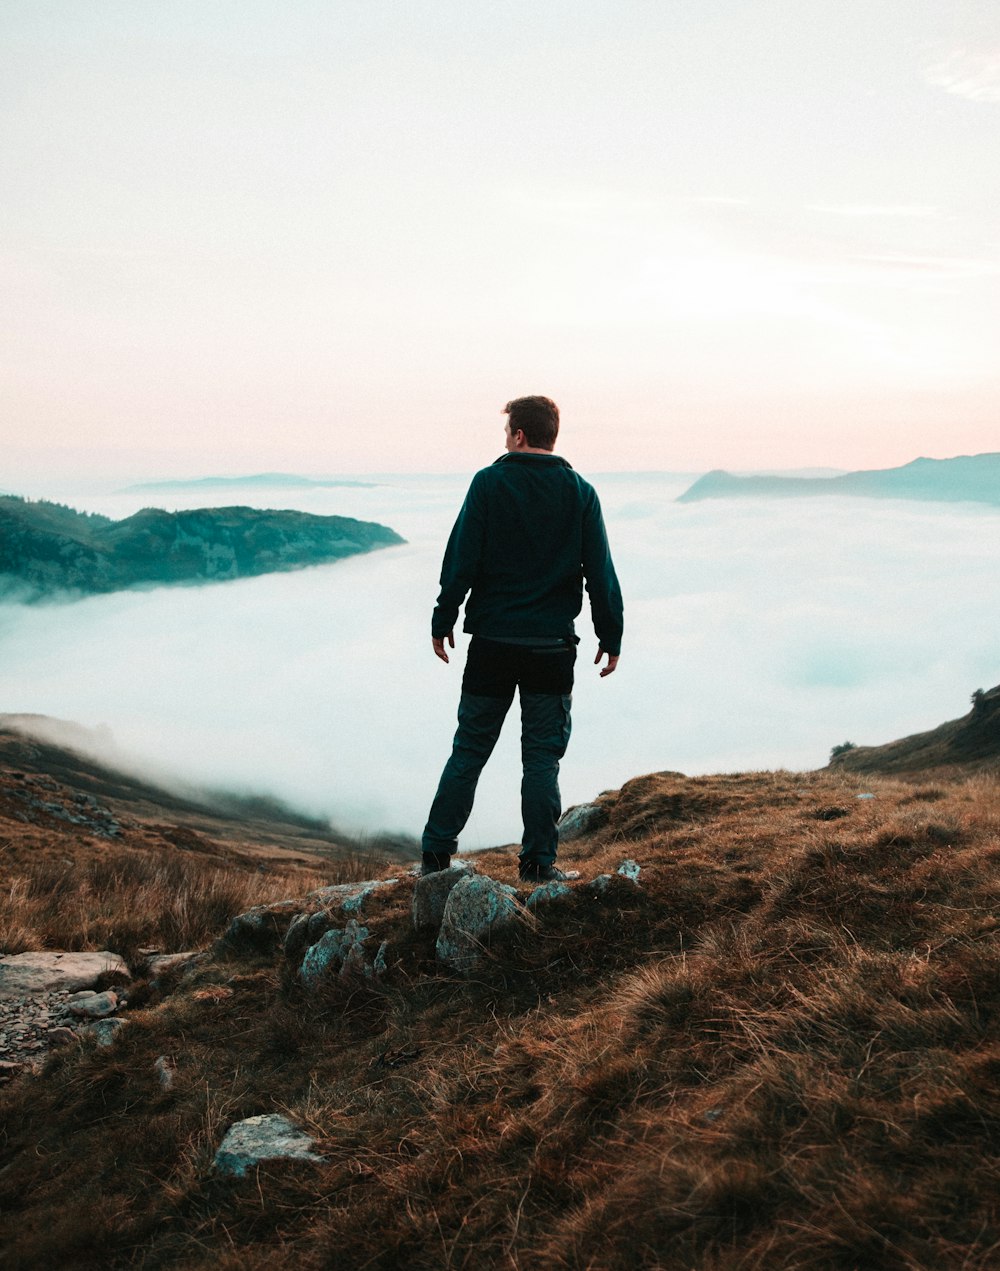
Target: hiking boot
533,872
434,862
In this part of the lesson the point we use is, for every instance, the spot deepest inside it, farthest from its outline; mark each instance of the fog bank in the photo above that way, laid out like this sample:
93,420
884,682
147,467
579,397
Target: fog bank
757,635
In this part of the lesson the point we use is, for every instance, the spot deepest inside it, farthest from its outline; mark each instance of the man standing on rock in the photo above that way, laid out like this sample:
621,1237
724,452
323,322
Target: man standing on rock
529,534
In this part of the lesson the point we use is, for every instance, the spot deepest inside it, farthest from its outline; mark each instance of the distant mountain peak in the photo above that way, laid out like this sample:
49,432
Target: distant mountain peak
961,479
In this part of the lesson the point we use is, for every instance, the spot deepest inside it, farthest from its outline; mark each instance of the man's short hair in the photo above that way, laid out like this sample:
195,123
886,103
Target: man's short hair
538,419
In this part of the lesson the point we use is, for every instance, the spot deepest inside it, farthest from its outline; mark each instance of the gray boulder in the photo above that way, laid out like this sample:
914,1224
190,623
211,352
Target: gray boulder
262,928
104,1031
90,1005
351,896
582,819
24,974
553,890
476,906
336,953
161,963
430,895
297,937
263,1138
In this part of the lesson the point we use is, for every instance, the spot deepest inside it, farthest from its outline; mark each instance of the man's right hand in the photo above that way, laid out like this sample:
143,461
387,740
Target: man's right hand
612,662
440,650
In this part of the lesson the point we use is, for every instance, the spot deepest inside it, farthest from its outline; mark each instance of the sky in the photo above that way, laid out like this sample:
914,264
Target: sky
758,634
290,235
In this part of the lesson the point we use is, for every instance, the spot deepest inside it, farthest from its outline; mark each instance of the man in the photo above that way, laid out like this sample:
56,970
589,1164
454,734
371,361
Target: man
529,533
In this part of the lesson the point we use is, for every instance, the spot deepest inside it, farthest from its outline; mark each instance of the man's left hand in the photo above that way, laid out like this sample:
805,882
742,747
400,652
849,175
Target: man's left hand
439,648
612,662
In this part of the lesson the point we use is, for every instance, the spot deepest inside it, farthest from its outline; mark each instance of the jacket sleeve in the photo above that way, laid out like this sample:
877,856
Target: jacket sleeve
601,579
462,559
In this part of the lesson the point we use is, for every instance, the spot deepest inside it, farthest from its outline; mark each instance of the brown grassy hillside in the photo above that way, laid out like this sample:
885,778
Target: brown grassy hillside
781,1051
92,857
966,744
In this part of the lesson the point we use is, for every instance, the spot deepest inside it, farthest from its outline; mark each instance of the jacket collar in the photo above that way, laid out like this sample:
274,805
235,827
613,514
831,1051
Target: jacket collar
519,456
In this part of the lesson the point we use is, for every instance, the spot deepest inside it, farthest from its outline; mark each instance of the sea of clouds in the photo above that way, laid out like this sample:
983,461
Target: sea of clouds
758,635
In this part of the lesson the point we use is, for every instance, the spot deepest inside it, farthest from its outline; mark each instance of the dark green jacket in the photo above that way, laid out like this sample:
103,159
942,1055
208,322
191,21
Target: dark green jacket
529,534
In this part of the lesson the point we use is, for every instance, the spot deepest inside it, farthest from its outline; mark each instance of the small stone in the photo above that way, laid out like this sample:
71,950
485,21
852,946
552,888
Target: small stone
629,869
165,1068
600,884
104,1031
263,1138
160,963
97,1006
61,1036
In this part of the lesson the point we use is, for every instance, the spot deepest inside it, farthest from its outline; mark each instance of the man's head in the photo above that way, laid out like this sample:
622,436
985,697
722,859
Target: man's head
537,418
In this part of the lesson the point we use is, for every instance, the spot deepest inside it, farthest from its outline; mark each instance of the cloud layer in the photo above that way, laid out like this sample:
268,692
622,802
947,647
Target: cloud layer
757,635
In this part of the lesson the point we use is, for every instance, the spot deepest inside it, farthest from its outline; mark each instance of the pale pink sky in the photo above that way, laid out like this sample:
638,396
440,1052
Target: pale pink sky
336,238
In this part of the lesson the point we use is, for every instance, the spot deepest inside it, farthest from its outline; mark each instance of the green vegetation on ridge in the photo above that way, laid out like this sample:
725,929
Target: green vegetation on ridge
47,548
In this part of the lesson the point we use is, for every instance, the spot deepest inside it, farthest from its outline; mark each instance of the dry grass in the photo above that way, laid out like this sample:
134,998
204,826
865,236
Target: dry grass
781,1052
122,898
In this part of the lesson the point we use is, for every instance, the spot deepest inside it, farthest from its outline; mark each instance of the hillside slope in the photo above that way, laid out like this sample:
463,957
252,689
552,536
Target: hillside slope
46,548
972,741
780,1050
56,791
963,479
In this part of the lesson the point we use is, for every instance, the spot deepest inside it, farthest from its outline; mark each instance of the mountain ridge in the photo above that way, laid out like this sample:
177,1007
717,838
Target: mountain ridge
48,548
961,479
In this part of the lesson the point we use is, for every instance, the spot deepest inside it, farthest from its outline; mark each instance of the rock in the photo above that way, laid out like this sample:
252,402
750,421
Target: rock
548,891
160,963
351,896
600,884
262,928
263,1138
165,1068
92,1005
379,963
297,938
337,952
104,1031
22,974
61,1036
582,819
629,869
318,925
476,905
430,895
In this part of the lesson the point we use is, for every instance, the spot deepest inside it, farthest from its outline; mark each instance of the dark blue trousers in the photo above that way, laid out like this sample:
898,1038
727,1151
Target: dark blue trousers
544,677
